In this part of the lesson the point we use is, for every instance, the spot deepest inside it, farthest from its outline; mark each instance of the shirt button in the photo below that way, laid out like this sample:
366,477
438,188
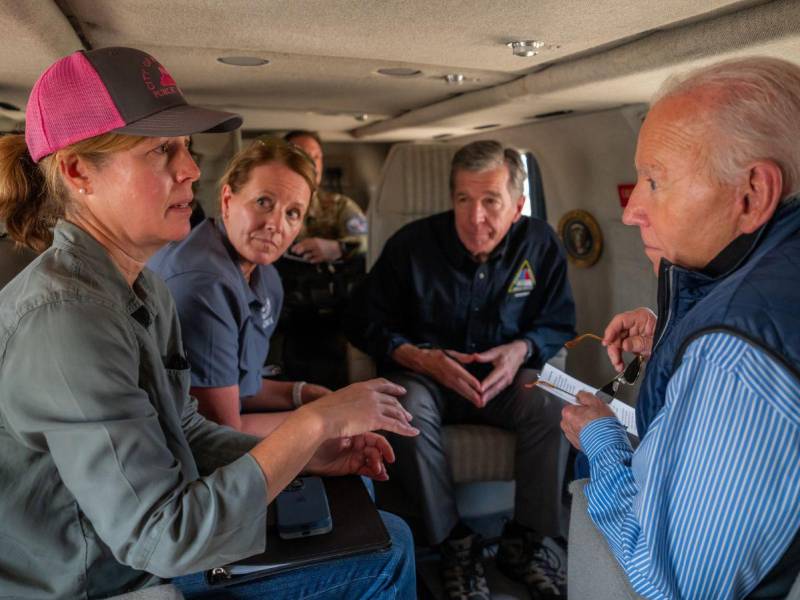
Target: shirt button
481,275
476,308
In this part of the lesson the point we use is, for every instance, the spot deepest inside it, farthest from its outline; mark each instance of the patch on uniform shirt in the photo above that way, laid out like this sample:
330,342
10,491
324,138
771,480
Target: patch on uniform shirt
266,314
523,281
356,225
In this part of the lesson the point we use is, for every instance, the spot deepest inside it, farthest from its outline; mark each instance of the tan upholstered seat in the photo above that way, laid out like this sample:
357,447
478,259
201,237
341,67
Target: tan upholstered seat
479,453
414,184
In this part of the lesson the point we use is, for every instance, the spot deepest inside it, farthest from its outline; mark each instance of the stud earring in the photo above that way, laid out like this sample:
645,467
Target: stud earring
81,191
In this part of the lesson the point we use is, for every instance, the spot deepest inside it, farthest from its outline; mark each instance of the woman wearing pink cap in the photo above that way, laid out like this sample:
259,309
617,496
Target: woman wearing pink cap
110,478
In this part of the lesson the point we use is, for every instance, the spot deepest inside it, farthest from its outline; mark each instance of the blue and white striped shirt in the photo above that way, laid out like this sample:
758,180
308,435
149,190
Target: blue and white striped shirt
708,503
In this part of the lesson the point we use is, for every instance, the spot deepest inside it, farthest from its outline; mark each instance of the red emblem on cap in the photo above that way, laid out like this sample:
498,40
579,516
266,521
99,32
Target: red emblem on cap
166,78
166,85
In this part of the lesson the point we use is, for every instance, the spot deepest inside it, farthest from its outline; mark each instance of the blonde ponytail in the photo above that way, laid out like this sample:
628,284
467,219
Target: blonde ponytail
25,206
33,196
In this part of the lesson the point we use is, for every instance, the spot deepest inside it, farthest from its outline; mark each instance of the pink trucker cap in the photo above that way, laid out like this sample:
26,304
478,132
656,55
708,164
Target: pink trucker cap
111,89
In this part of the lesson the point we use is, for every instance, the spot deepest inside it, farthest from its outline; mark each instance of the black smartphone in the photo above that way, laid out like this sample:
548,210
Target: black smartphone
302,509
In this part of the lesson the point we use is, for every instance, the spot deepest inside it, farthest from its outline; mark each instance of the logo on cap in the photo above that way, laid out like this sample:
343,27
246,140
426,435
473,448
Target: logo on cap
166,78
153,72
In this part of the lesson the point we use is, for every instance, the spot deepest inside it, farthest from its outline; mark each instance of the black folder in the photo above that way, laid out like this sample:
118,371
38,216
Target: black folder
357,529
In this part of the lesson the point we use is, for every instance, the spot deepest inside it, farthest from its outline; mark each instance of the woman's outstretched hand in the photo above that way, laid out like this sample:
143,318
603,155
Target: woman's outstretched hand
362,407
365,454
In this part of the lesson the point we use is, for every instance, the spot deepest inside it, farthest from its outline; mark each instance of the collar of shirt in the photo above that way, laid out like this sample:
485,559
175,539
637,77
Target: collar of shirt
137,300
456,250
732,255
735,253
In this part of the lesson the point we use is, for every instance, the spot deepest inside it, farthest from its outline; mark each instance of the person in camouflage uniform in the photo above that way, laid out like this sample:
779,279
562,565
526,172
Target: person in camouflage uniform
335,227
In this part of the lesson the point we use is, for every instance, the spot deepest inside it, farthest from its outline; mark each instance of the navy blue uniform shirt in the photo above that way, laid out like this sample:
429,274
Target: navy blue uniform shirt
226,322
427,289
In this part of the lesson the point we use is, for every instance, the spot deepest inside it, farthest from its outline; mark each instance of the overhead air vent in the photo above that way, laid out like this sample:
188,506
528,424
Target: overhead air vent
547,115
489,126
9,106
243,61
399,72
443,136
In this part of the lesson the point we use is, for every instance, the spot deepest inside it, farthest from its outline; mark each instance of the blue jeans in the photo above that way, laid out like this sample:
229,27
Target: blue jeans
381,575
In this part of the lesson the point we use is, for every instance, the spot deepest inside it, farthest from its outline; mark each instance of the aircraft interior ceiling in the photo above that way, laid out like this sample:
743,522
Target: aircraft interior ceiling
325,55
601,62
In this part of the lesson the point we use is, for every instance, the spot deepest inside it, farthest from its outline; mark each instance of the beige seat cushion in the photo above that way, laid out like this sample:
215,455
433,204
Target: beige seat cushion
414,184
479,453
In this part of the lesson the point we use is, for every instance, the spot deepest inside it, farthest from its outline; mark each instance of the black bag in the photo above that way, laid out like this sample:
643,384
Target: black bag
319,288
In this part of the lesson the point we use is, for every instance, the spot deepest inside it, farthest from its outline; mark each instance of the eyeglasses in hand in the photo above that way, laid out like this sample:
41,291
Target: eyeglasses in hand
629,374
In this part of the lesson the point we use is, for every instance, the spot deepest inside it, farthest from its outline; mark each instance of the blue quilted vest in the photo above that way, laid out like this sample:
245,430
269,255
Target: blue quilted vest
756,297
751,290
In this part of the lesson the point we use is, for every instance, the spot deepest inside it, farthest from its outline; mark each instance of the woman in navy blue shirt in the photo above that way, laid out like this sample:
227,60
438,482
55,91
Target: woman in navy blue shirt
229,295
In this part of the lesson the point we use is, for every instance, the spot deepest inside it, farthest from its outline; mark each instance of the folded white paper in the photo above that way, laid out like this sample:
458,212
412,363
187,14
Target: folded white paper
563,386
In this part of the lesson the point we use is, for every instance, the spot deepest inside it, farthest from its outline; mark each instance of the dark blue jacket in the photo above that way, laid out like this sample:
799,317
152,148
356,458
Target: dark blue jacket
426,289
751,290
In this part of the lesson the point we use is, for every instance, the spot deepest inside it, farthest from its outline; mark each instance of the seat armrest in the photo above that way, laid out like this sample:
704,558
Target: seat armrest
592,571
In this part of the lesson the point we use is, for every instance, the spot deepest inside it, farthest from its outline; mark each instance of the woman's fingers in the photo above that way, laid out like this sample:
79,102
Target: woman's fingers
391,401
383,445
384,386
400,427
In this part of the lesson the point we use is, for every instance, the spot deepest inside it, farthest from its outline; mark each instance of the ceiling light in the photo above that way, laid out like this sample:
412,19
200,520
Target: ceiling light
490,126
361,117
399,72
243,61
454,78
525,47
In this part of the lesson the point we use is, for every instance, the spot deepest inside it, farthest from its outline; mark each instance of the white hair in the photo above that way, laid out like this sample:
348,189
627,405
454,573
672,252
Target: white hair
756,115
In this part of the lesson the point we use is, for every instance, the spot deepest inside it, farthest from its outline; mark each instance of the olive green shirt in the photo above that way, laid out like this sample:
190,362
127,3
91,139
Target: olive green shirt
336,217
109,478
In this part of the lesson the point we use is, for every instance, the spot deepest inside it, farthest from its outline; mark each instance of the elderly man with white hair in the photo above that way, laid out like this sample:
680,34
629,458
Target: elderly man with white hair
707,506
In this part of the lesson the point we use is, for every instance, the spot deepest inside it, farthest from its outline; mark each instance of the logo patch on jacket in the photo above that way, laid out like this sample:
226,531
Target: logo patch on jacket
266,314
356,225
524,281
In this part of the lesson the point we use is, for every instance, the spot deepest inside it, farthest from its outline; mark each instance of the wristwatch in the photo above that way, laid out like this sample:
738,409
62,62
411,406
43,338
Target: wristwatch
529,352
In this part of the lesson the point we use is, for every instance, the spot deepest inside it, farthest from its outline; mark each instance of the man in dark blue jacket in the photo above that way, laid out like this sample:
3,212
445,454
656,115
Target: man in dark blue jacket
460,308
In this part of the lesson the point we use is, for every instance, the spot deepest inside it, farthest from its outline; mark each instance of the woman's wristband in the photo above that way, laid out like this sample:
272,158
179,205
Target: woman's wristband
297,393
